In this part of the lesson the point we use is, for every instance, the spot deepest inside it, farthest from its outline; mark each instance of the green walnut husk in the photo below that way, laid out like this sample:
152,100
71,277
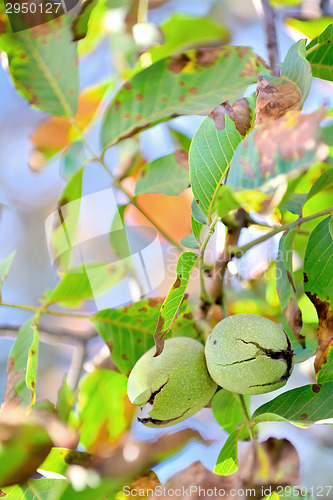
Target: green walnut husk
249,354
172,386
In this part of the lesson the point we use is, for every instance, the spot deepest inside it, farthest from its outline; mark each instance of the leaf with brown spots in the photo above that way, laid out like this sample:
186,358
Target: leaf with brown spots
173,300
43,65
167,175
129,331
277,148
286,287
325,373
191,83
22,368
308,405
318,285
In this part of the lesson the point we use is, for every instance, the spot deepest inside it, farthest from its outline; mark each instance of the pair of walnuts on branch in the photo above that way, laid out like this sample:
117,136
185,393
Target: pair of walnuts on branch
245,354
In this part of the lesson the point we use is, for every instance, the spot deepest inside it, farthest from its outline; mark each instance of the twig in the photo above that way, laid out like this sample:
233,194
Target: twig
239,251
271,36
79,356
61,336
215,289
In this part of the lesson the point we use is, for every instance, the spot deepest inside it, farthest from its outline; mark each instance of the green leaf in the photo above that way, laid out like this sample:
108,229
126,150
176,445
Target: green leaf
323,182
318,284
173,300
128,331
166,175
72,159
42,63
59,459
297,69
61,230
196,228
197,214
80,23
65,401
78,287
228,411
308,405
311,27
180,140
106,489
319,53
36,489
283,3
294,203
101,408
326,372
210,155
226,201
5,265
227,462
190,241
23,448
22,367
182,32
318,271
189,83
285,285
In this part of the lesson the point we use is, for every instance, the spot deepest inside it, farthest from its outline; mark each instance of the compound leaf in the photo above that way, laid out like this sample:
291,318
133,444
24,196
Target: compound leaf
194,82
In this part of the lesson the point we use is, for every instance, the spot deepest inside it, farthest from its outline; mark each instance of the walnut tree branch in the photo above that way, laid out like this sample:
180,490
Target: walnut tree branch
48,336
271,36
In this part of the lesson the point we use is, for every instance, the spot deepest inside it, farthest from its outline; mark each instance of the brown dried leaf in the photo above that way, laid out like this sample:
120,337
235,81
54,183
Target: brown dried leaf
293,315
240,113
324,330
273,101
272,462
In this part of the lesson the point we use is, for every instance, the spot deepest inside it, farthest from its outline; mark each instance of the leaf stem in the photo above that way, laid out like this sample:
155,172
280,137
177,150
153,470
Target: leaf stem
239,251
143,11
247,419
203,293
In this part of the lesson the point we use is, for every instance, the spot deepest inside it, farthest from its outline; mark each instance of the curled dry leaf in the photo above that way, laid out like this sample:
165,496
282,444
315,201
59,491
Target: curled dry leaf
240,113
275,99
